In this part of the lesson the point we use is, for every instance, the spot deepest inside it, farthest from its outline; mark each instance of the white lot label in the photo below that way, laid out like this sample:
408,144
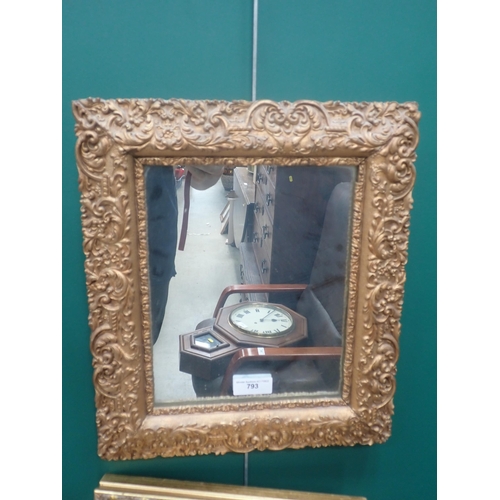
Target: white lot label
254,383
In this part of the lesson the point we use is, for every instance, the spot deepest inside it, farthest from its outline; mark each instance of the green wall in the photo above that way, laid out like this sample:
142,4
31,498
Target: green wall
324,50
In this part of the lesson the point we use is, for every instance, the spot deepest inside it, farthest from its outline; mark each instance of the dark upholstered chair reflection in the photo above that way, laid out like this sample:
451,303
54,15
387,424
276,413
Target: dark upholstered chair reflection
315,366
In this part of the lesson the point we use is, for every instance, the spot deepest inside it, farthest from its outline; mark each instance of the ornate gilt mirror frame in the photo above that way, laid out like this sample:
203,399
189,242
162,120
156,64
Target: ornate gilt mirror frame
115,139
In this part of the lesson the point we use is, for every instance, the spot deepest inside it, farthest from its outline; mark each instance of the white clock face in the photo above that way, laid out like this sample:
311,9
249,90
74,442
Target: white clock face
261,320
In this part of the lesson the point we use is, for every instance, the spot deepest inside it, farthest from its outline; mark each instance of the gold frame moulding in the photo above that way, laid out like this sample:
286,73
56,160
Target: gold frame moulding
115,487
115,139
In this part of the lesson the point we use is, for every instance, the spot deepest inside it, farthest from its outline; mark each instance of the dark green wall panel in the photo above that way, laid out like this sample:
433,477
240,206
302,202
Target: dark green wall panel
324,50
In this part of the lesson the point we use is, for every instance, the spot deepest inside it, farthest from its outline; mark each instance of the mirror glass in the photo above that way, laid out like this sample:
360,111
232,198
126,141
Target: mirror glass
262,225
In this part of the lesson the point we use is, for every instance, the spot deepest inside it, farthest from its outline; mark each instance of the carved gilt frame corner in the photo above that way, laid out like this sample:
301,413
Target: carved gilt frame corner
115,138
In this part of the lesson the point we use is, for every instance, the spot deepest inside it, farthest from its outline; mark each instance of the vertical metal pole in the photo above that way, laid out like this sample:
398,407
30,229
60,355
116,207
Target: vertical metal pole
254,54
246,470
254,61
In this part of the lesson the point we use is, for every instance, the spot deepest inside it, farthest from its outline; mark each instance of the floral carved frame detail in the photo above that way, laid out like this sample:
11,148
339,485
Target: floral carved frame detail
115,138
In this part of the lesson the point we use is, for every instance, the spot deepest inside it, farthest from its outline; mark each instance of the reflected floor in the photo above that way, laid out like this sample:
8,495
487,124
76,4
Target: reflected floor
205,267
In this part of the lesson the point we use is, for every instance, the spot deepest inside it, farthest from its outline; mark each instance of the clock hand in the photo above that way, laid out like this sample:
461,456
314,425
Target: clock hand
262,319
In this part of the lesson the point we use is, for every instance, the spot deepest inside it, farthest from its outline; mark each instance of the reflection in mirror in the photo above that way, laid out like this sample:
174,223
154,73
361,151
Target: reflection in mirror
279,238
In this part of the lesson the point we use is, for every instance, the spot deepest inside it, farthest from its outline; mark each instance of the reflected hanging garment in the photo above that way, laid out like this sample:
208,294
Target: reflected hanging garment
162,215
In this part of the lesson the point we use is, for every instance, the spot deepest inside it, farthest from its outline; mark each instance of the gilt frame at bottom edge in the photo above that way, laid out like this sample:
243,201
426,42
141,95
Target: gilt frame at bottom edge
117,487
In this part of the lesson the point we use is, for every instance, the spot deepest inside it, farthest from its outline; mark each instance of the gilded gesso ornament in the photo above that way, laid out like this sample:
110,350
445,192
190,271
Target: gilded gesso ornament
115,138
